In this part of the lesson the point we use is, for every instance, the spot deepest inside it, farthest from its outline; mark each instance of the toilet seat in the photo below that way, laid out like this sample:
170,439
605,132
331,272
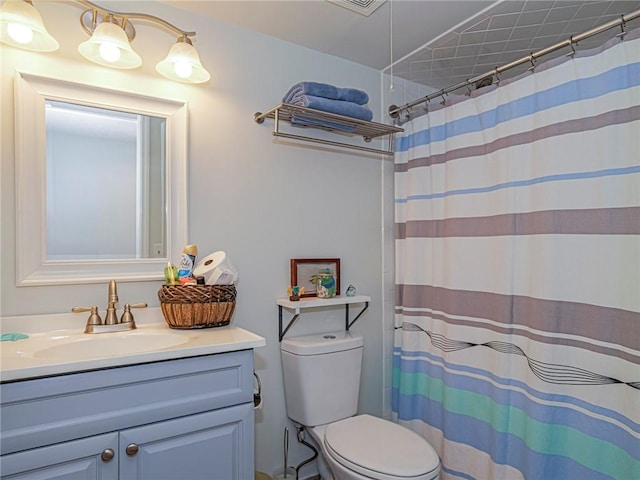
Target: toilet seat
380,449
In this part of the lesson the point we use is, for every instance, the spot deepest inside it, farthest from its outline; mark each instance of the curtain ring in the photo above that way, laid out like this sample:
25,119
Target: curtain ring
468,85
623,32
407,115
573,49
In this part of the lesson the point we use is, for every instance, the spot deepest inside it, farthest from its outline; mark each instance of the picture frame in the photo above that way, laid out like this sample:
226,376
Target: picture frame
303,269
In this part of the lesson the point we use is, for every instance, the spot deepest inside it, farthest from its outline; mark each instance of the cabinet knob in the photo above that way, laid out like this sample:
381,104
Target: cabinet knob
107,455
131,449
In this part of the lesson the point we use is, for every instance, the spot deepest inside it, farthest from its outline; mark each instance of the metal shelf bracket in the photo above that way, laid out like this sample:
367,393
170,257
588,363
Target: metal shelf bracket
291,322
349,324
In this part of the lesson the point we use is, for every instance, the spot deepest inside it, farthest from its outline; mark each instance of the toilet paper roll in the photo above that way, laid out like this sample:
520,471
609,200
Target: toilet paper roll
216,269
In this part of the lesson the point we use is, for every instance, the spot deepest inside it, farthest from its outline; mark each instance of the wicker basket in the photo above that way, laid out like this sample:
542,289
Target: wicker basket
197,306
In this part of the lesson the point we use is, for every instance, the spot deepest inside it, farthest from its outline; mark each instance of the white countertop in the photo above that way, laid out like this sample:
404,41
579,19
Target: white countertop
57,344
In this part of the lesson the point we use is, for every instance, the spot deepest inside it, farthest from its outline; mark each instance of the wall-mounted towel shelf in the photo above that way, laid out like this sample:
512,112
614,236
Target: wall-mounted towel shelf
324,120
314,302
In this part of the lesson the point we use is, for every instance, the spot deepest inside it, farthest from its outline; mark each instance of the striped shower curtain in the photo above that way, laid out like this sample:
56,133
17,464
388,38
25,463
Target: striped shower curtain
517,311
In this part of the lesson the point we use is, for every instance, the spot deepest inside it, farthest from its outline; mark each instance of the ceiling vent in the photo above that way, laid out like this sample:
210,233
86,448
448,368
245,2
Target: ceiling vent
363,7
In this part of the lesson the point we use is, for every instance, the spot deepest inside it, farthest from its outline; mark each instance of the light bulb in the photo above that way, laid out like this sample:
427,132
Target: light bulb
183,68
20,33
182,63
109,51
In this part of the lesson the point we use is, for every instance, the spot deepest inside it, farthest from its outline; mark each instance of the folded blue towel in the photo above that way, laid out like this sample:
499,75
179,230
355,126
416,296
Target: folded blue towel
13,337
325,90
348,109
303,121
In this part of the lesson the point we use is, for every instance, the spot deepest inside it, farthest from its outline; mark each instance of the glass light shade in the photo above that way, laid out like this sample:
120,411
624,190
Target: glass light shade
183,64
109,46
21,26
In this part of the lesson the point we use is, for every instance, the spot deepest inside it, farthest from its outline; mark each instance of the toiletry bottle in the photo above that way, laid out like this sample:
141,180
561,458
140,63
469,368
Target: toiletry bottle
188,261
171,275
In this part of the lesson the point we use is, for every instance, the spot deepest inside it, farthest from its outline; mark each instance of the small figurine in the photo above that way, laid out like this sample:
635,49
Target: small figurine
351,291
295,292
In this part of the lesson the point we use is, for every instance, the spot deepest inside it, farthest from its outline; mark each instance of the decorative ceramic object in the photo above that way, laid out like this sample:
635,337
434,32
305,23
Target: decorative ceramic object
351,291
325,281
295,292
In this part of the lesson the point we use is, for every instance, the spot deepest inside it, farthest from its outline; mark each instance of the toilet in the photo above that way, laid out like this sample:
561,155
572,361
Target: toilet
322,383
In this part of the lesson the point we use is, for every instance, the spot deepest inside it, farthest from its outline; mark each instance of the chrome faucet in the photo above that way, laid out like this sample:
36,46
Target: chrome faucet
111,322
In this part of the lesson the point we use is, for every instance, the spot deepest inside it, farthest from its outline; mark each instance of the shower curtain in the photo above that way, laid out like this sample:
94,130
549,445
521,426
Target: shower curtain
517,311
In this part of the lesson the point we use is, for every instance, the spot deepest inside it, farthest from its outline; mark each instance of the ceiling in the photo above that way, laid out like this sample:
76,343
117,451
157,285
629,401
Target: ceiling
437,43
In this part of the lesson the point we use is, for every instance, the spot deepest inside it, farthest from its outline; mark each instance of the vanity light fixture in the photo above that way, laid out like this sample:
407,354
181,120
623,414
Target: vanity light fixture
183,63
111,34
110,43
21,26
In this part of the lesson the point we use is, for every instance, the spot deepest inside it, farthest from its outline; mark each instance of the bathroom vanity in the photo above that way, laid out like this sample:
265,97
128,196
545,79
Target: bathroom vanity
184,411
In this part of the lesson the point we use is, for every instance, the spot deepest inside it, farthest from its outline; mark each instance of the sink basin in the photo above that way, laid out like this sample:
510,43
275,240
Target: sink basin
64,345
110,344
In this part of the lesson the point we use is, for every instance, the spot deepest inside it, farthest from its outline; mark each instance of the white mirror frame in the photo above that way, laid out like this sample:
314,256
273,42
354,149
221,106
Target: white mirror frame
32,266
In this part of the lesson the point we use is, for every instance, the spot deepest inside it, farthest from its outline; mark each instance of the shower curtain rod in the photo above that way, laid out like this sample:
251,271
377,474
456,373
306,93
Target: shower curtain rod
394,110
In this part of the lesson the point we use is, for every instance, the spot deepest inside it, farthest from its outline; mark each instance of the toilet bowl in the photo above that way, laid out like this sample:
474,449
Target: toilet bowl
321,378
364,447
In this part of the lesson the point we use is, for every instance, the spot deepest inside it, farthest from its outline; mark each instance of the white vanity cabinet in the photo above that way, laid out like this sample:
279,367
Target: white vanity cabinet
184,419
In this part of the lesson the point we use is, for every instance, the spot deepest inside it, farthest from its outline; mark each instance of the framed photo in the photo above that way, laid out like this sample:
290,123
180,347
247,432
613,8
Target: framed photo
305,270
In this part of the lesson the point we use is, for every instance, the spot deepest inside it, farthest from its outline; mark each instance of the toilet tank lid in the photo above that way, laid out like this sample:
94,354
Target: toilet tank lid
321,343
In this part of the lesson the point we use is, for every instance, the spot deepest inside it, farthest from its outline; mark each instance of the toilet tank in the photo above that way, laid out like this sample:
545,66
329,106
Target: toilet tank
321,377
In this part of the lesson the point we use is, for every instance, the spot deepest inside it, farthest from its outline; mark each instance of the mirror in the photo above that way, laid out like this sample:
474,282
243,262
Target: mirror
87,150
100,179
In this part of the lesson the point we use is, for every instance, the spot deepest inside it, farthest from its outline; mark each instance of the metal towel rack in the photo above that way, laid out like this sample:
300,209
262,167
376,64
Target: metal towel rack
353,126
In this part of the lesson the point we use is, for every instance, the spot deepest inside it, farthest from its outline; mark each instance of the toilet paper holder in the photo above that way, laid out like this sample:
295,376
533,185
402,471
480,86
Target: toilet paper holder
257,392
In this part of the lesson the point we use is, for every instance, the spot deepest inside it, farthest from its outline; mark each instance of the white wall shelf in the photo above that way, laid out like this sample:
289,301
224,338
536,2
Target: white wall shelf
313,302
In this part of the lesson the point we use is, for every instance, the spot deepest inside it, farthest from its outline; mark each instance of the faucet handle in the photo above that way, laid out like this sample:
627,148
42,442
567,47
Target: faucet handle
94,317
127,316
138,305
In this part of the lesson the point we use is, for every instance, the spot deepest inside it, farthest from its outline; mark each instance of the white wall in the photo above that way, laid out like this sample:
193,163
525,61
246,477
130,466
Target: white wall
262,200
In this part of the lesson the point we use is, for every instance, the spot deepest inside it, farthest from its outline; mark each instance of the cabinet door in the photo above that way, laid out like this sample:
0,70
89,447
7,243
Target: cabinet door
92,458
216,445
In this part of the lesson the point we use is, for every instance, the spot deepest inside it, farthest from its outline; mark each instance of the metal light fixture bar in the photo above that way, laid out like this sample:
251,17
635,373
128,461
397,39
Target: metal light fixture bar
90,19
124,17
